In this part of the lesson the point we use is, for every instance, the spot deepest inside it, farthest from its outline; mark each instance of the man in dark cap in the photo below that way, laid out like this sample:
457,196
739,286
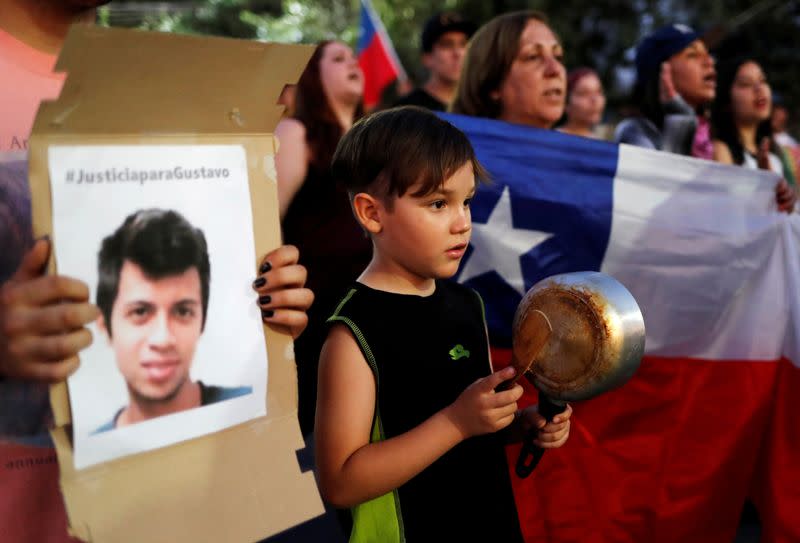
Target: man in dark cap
444,42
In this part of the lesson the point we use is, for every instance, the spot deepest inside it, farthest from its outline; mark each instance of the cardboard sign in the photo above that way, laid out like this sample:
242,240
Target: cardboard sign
156,98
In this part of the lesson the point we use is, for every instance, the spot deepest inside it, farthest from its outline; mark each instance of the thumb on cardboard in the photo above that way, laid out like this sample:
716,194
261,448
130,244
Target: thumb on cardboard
34,263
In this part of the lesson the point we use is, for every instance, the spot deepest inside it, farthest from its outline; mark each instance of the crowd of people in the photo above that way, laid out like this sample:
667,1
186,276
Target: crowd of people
371,236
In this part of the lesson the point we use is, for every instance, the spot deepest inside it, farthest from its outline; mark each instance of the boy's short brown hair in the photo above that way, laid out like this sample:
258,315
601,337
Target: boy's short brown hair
388,152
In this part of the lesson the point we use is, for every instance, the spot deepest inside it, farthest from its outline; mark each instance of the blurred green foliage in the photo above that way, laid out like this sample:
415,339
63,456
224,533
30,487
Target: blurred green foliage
596,34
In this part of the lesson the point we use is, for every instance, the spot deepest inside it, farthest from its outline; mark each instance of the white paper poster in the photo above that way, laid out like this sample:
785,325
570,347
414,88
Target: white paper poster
162,235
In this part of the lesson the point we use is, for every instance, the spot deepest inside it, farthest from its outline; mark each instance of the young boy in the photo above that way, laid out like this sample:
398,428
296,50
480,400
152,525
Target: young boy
408,419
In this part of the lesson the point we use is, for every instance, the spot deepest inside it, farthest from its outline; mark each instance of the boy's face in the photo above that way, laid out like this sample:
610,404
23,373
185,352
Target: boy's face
425,237
155,326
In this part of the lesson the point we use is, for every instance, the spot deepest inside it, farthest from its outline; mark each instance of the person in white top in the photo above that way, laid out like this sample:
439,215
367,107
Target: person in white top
741,128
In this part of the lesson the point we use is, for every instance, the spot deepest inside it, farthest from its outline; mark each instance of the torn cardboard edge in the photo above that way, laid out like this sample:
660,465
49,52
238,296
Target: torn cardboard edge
132,87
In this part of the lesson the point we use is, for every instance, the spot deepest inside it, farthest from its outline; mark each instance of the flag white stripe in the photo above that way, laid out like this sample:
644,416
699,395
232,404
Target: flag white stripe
701,248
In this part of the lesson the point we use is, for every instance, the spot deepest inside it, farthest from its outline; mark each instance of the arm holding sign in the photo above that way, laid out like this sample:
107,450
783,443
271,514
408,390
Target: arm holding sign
43,320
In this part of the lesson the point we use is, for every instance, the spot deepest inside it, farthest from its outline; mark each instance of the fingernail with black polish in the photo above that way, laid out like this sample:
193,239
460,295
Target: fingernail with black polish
260,282
265,267
266,313
265,300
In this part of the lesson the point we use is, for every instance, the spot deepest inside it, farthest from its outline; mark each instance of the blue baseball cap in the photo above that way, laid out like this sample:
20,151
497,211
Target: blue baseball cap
660,46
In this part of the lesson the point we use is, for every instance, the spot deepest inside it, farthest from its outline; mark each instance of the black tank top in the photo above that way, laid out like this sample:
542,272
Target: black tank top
423,352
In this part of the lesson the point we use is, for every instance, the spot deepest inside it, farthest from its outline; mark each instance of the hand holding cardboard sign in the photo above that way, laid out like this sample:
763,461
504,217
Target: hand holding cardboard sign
281,293
42,320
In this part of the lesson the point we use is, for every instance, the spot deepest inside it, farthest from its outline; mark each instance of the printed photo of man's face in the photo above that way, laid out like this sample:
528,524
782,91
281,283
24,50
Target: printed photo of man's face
155,327
175,356
153,289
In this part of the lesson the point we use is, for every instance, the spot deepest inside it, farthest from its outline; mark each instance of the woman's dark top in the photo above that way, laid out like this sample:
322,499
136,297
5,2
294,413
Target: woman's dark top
335,251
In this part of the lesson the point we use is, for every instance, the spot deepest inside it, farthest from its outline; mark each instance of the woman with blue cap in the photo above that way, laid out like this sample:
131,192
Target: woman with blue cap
675,85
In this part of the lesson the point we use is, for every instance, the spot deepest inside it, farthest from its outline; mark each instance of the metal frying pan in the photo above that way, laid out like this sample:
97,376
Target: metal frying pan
575,336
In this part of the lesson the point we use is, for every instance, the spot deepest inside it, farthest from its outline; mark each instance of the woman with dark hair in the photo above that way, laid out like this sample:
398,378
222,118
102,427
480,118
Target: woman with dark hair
586,102
741,119
327,100
513,72
315,212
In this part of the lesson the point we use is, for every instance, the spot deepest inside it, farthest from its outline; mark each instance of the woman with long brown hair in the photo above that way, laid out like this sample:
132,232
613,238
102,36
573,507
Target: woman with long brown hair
315,212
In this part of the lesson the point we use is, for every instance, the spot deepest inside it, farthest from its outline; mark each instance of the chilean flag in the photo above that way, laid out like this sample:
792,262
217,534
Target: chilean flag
376,56
709,419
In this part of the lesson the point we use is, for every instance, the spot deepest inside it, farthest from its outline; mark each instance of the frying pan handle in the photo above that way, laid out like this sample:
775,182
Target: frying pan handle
530,454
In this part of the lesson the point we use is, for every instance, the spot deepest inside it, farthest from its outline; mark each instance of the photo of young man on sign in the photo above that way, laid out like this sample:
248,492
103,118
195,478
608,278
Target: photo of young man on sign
163,236
153,289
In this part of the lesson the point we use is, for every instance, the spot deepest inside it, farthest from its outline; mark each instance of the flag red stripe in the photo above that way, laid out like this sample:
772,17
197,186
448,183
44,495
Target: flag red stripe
379,71
776,483
671,456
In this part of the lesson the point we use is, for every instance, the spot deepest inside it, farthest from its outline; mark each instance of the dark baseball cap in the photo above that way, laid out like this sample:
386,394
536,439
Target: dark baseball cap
659,47
442,23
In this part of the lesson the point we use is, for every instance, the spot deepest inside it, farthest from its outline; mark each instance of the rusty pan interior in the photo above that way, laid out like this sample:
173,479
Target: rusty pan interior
577,335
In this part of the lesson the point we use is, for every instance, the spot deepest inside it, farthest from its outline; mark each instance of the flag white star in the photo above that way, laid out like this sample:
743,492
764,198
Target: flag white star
497,246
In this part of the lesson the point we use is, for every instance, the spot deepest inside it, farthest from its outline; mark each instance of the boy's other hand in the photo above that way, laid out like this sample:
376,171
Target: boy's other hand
281,294
480,410
552,435
42,320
